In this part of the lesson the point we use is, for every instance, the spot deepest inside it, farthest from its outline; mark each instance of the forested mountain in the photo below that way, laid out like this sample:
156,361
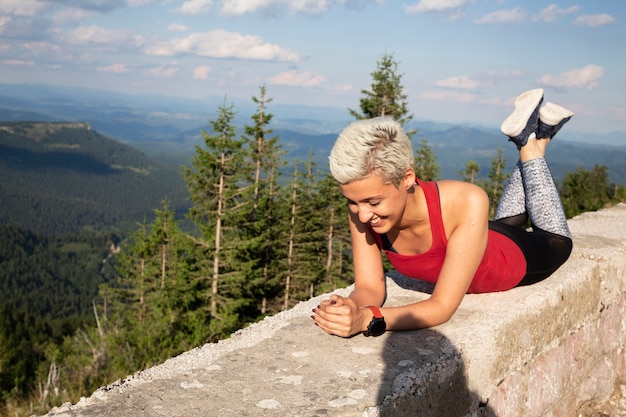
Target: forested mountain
60,178
47,286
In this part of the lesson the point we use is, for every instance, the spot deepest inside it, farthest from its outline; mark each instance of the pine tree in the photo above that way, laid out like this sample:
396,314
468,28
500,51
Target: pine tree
338,267
309,234
386,97
470,173
214,183
293,202
259,256
426,167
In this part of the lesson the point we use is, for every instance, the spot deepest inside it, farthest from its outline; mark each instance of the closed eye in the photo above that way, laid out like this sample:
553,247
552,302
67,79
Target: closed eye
371,203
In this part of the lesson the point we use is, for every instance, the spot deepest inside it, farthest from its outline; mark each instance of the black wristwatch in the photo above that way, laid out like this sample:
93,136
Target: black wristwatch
377,326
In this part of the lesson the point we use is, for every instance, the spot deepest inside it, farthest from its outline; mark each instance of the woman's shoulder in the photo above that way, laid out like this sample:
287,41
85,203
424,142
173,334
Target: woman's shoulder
455,186
459,194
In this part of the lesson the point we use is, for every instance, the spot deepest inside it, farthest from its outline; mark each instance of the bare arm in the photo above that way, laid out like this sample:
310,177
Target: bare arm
369,279
469,207
348,316
465,210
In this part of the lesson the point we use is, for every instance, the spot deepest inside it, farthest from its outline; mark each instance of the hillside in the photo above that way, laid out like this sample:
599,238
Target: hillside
60,178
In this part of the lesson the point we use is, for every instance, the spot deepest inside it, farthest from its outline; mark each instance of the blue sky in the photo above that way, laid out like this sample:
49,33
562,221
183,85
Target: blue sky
460,60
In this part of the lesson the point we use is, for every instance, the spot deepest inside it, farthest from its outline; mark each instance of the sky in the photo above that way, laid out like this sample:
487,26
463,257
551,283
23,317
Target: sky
461,61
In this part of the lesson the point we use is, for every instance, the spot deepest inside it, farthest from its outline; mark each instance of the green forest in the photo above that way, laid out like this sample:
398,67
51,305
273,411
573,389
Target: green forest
85,308
52,172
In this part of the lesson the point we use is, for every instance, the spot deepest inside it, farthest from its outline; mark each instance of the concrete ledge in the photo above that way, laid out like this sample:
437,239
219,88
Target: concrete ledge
551,349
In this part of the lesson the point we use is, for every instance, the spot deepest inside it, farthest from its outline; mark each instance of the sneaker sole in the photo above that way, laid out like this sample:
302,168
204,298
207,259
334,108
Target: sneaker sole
552,114
525,105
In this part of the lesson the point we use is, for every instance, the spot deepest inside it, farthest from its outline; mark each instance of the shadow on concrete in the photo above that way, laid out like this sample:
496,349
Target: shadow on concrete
425,376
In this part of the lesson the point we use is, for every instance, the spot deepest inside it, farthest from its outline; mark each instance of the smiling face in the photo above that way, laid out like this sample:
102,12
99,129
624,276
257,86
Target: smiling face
377,203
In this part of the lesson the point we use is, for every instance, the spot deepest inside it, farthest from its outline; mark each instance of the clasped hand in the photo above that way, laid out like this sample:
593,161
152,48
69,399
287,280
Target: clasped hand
340,316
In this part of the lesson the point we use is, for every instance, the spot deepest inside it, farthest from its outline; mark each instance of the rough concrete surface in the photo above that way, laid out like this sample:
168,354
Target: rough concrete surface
285,366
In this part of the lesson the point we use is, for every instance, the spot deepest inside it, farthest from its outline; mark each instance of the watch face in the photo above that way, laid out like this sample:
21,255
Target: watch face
376,327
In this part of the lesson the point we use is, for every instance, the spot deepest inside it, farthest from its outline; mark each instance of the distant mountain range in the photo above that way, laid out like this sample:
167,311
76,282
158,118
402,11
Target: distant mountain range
65,178
167,129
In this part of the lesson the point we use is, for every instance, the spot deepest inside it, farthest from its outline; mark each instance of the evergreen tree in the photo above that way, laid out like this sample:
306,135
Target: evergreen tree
214,183
586,190
470,173
260,257
494,185
386,97
309,233
338,267
426,167
292,200
142,313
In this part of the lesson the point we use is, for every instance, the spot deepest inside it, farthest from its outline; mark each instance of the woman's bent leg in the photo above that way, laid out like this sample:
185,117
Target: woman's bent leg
542,198
512,205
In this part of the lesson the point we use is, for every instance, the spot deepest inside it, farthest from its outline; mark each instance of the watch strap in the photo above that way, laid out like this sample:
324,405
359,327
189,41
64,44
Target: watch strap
377,326
376,311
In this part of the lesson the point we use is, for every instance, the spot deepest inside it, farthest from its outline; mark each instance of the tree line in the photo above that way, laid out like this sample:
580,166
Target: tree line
267,234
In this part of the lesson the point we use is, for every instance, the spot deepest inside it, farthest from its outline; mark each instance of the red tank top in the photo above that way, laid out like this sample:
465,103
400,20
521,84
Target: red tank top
503,265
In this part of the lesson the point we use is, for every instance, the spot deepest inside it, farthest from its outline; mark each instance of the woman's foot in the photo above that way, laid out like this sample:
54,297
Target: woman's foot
523,122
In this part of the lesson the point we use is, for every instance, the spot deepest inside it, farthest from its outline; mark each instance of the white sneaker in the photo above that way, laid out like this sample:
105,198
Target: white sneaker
551,118
524,120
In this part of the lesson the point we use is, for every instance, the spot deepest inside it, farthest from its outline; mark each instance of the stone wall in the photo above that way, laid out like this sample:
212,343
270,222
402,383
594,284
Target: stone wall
552,349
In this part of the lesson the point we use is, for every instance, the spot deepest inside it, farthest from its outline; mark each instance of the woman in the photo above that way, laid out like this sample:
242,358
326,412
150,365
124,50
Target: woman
439,231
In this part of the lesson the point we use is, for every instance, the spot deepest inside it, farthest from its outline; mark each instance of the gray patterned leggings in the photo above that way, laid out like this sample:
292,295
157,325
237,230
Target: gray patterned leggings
531,193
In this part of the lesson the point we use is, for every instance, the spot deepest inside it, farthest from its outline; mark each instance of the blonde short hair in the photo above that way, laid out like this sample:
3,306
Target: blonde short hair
371,146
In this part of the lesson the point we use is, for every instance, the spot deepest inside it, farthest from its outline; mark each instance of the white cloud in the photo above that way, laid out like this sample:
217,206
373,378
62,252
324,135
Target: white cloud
99,35
435,6
196,6
176,27
242,7
164,71
586,78
314,7
453,96
22,7
222,44
550,13
295,78
21,27
502,16
594,20
463,82
201,72
116,68
99,5
344,88
505,74
70,15
135,3
18,62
